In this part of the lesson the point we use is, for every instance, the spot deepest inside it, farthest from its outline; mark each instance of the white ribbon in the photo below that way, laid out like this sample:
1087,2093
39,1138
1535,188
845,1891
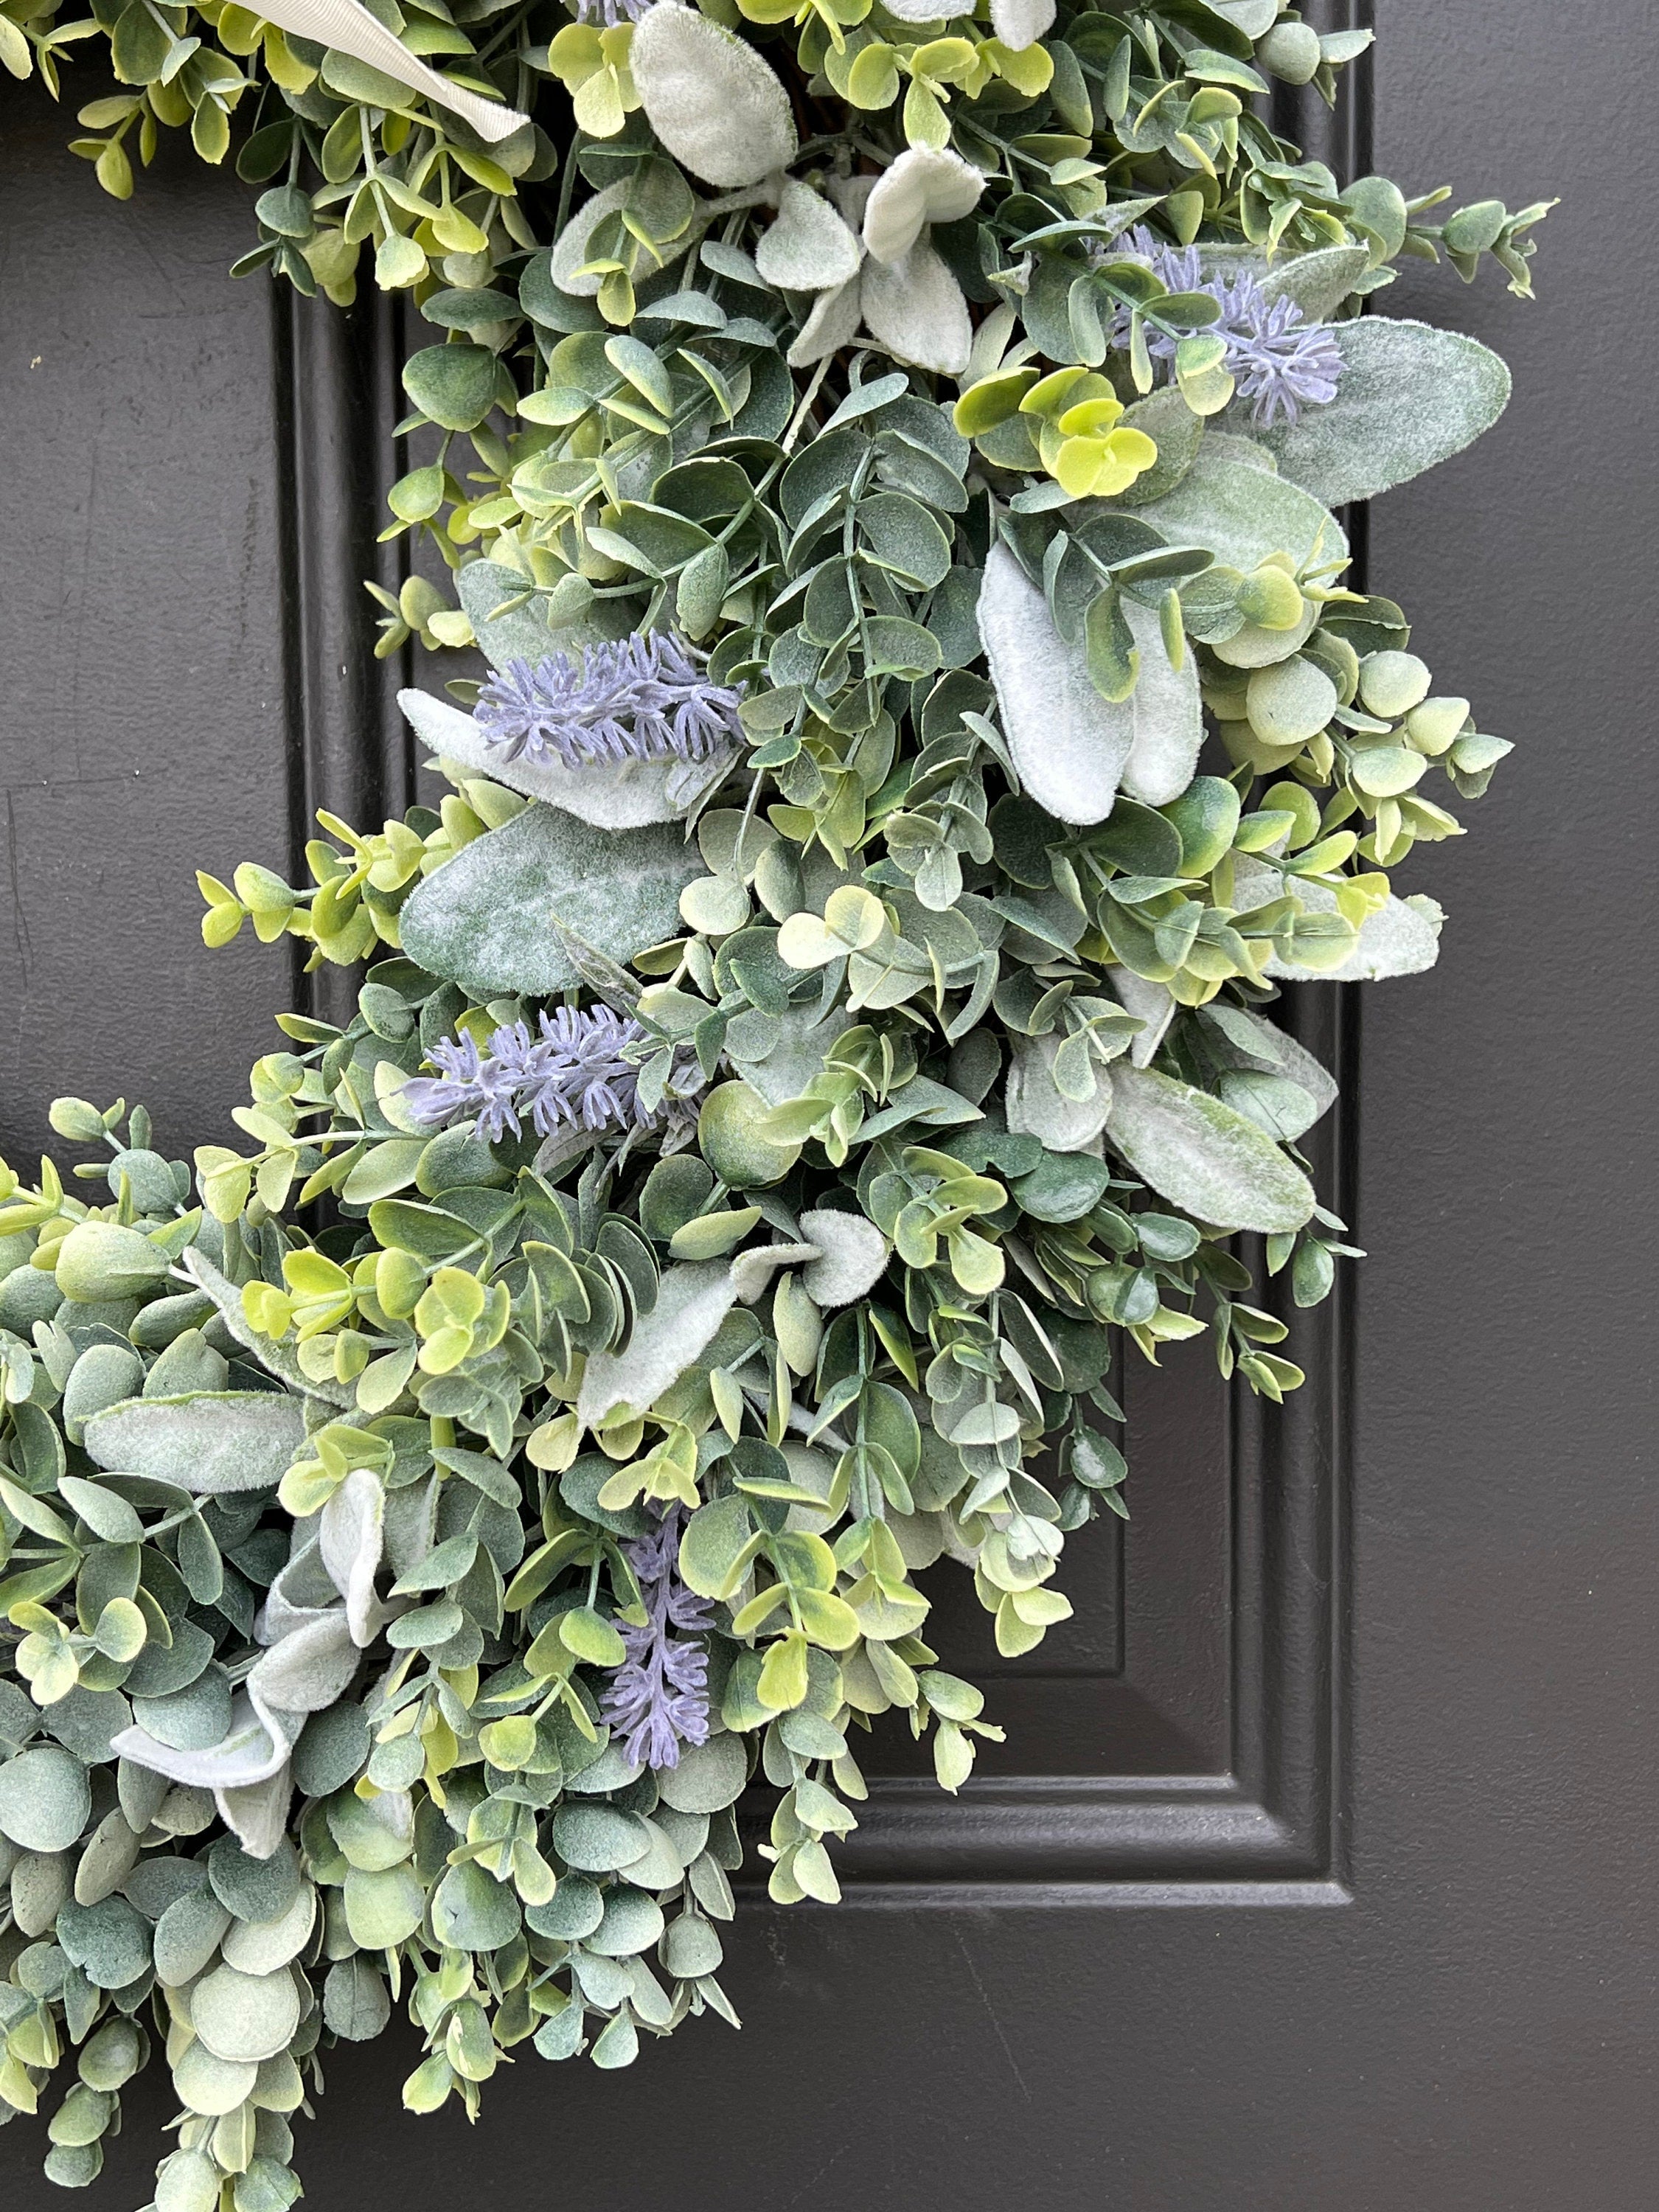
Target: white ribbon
348,28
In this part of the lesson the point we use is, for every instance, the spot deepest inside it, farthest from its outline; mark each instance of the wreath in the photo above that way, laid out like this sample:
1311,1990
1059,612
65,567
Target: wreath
828,1016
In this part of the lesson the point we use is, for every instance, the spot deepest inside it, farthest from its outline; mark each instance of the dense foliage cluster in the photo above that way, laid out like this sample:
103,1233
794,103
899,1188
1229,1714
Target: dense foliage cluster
890,464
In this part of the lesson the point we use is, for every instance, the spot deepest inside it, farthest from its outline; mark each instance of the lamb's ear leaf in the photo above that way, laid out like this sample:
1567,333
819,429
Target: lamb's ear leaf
1165,713
1247,1043
249,1752
522,634
1318,282
712,101
257,1815
1402,938
809,248
1037,1107
1204,1157
1150,1003
925,184
1243,512
1068,744
692,1300
208,1442
1411,395
751,1270
914,309
854,1253
307,1671
351,1530
1021,24
832,324
608,794
481,920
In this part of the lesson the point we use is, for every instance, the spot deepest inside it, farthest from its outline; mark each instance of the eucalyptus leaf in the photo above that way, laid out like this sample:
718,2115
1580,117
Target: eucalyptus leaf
45,1801
243,2018
708,1777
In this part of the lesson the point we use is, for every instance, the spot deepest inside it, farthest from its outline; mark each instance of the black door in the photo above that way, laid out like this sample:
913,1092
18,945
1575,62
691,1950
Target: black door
1317,1873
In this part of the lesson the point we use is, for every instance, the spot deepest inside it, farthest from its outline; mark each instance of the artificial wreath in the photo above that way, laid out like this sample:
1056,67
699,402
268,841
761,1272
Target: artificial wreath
890,464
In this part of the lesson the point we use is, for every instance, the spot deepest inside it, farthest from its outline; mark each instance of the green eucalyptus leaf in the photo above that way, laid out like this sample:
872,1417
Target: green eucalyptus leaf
44,1800
455,386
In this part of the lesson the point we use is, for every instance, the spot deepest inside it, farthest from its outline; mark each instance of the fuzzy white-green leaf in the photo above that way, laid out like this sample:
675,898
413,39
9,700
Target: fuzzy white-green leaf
208,1442
1035,1105
1165,714
925,184
1069,746
832,324
1242,511
1021,24
1204,1157
915,308
853,1254
712,101
483,919
809,248
692,1300
1411,395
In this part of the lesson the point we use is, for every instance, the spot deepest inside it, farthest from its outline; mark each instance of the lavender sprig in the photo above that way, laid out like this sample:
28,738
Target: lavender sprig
658,1698
638,698
1280,361
582,1073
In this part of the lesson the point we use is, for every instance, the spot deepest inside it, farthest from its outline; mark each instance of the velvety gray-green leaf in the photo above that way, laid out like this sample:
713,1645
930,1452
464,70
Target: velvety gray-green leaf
483,919
1411,395
209,1442
1202,1156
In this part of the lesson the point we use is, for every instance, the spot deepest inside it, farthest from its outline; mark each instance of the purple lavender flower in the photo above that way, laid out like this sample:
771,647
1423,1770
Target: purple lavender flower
1281,362
582,1073
658,1698
638,698
609,12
